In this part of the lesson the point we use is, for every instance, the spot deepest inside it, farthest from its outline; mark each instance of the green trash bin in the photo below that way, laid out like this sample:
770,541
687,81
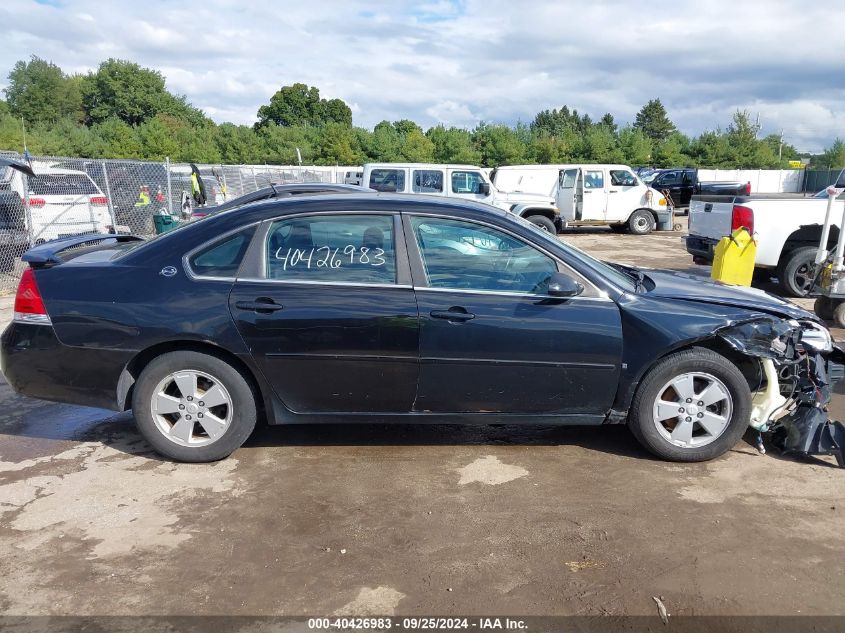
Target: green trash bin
164,223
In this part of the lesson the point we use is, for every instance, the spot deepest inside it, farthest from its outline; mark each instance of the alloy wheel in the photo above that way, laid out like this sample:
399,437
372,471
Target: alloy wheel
191,408
693,409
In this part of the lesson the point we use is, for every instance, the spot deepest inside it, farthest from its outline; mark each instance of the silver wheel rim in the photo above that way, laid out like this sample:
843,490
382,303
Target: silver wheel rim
191,408
692,410
641,223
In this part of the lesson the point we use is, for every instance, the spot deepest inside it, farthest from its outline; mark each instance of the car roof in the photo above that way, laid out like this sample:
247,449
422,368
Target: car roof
375,201
275,191
419,166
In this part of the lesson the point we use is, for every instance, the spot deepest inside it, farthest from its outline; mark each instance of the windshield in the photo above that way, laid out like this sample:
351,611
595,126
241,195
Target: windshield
599,267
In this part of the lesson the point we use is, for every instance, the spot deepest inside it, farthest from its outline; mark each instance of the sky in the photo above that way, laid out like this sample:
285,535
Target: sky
459,62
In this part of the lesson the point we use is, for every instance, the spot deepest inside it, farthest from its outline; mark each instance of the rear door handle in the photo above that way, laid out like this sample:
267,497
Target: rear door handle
452,314
262,304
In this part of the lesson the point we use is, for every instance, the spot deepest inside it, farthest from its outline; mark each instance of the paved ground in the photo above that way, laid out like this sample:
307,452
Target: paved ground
412,519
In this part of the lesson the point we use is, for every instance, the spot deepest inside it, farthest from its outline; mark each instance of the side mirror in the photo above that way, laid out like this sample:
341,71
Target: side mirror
484,188
562,285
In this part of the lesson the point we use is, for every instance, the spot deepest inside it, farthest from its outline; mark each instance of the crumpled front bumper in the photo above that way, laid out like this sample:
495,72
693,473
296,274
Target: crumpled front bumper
805,362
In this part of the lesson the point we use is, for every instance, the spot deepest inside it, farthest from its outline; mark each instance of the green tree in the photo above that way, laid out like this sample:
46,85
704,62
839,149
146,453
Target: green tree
385,143
339,145
654,122
417,147
39,92
132,94
833,157
453,145
120,140
300,105
498,145
238,144
635,146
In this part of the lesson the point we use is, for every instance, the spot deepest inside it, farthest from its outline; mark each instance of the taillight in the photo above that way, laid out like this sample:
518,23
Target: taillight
742,216
29,307
35,202
99,201
748,188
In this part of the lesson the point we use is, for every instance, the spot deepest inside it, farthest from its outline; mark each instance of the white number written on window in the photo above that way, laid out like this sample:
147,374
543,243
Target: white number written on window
327,257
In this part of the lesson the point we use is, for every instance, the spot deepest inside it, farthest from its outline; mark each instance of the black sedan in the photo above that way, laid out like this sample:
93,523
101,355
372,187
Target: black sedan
390,308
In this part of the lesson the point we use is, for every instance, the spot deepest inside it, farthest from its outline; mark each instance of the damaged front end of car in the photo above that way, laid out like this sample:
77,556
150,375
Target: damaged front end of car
798,364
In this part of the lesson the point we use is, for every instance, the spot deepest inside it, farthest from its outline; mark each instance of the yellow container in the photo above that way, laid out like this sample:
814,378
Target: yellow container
733,260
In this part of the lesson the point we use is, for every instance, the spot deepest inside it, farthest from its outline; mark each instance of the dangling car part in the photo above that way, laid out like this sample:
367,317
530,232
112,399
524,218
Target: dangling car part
795,387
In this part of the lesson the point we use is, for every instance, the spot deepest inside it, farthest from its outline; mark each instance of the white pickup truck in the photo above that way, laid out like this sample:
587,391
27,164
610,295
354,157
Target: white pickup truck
787,231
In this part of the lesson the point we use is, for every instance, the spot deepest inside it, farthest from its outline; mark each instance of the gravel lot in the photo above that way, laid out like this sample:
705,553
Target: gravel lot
411,519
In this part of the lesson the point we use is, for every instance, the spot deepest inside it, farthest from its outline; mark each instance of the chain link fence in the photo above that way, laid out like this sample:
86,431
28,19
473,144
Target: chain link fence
73,196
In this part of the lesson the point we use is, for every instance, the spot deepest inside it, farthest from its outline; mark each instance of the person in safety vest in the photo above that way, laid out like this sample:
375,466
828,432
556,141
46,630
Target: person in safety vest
143,196
197,186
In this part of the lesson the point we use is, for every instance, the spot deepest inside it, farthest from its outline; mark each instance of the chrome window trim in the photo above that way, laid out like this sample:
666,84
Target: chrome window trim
596,291
528,295
307,282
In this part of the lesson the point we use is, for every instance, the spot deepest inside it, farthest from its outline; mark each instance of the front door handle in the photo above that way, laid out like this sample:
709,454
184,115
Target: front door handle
262,305
452,314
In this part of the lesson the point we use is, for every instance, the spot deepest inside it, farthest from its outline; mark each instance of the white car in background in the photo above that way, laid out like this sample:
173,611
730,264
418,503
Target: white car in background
62,203
54,203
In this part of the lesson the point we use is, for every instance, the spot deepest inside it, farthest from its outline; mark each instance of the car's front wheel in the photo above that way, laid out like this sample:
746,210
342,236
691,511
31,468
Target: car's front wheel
641,222
193,407
692,406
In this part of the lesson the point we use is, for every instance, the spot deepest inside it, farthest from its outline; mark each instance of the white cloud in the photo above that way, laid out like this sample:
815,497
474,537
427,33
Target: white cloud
460,61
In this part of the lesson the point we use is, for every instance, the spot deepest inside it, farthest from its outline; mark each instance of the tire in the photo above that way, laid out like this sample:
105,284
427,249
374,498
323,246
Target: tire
543,222
706,368
823,307
619,228
211,375
795,273
641,222
838,315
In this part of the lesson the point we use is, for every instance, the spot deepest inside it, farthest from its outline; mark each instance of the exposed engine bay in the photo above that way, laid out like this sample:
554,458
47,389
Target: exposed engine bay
797,364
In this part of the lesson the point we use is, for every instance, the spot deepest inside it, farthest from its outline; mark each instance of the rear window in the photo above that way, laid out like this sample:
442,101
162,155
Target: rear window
387,180
62,185
223,258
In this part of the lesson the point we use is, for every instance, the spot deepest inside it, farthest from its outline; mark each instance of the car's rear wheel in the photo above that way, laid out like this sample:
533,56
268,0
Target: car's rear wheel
692,406
543,222
193,407
641,222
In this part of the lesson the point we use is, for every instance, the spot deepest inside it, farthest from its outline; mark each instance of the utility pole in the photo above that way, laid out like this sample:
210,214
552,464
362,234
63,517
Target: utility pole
780,146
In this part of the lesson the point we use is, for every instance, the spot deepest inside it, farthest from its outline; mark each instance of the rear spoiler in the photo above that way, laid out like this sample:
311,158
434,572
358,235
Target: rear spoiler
47,254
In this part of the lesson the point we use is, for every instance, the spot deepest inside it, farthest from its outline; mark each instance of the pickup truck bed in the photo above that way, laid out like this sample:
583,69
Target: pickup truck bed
787,230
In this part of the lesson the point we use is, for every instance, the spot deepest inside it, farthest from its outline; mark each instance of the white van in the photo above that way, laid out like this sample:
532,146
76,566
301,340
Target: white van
589,195
466,182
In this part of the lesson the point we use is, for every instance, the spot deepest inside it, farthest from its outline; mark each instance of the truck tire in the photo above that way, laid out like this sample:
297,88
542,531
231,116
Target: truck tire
796,271
641,222
543,222
669,420
823,307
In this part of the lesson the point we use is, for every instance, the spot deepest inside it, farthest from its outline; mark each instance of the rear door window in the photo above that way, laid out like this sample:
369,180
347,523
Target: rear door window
428,181
332,248
387,180
223,258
